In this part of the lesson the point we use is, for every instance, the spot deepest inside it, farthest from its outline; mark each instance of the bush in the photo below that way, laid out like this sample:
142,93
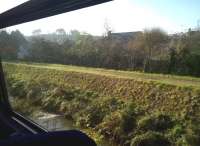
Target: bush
158,123
97,110
17,88
192,136
129,116
177,131
92,116
189,140
150,139
111,125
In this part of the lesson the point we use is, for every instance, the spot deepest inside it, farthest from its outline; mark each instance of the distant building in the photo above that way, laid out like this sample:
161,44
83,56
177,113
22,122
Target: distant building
126,36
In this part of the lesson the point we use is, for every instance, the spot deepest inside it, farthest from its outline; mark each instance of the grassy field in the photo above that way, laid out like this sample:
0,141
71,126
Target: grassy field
130,108
166,79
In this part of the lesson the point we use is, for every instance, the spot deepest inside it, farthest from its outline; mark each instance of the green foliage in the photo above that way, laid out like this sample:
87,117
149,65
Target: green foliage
15,86
189,140
129,116
193,140
111,125
152,50
123,109
25,108
95,113
177,131
10,44
150,139
158,122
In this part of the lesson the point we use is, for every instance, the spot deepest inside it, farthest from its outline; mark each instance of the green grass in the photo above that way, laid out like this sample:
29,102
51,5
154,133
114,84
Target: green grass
156,93
126,107
184,81
196,51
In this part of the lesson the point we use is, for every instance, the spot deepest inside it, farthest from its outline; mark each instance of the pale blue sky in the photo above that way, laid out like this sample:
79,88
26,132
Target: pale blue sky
121,15
182,12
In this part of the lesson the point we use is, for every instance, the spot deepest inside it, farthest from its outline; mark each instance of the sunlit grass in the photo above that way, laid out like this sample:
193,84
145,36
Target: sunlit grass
160,78
123,106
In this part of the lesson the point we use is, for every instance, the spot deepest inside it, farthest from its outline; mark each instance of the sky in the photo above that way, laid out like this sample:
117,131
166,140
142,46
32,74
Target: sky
121,15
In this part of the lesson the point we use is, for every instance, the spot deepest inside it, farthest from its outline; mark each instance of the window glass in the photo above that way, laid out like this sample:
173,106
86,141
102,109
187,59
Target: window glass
124,72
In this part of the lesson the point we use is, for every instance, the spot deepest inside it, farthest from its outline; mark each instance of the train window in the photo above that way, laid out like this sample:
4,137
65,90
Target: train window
124,72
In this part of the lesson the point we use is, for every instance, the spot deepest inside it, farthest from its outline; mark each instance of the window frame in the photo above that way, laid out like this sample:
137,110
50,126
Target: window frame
4,102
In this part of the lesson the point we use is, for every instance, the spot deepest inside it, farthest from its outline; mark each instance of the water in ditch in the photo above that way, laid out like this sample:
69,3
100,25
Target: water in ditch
54,122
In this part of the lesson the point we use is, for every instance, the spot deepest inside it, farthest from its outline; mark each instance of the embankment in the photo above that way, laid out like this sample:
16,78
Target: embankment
128,110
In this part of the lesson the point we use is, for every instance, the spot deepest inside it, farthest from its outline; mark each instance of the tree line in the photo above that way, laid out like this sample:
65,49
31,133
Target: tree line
151,50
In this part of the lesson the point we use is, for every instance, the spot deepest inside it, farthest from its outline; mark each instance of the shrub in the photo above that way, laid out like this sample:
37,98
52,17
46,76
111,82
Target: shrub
150,139
129,116
111,125
157,122
92,116
23,107
97,110
177,131
17,88
189,140
192,136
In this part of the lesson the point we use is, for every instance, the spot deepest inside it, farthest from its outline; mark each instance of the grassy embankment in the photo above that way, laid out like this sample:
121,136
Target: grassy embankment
130,108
